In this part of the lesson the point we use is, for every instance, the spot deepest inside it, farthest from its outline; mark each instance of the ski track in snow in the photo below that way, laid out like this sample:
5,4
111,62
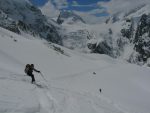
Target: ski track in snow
83,73
48,104
69,102
46,101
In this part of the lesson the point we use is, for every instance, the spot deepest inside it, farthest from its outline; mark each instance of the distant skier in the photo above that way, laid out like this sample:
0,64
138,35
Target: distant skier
94,73
100,90
29,71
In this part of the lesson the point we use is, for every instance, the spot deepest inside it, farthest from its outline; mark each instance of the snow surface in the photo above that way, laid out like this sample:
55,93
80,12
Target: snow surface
72,81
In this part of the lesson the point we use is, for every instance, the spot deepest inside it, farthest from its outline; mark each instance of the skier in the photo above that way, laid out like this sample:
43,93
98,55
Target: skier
100,90
29,71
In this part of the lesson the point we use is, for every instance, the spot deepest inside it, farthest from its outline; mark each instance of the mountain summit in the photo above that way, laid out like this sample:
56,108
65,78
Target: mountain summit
69,17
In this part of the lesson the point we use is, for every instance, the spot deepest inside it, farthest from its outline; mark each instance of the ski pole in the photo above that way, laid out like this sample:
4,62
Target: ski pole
43,76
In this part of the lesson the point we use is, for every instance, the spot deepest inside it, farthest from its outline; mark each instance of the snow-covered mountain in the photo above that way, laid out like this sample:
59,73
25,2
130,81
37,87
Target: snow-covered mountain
20,15
125,34
75,34
134,28
72,81
53,8
69,17
49,10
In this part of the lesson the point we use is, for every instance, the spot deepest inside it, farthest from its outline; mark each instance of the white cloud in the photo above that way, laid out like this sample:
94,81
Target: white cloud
60,3
78,5
97,11
89,18
52,7
75,3
49,10
122,5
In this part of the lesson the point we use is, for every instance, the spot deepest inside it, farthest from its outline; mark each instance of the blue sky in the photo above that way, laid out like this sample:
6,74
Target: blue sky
76,5
81,2
86,2
39,2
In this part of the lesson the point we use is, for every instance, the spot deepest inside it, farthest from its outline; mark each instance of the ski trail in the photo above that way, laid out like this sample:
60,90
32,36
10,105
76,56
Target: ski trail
46,101
83,73
58,100
49,99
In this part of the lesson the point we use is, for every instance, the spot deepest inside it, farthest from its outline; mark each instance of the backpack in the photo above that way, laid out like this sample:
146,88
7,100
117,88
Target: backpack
27,67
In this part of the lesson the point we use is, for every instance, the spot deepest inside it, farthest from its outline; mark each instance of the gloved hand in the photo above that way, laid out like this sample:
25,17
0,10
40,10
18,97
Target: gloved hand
39,71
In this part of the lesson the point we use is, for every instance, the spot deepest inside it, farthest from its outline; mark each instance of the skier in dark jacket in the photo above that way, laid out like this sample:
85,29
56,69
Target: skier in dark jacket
30,72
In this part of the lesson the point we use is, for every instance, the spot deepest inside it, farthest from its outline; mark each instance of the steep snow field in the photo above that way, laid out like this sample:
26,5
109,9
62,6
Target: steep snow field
72,81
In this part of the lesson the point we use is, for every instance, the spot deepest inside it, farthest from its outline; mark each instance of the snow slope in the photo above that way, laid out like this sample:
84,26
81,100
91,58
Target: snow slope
71,85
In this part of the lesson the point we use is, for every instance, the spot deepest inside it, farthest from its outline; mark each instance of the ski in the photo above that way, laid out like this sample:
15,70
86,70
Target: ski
38,85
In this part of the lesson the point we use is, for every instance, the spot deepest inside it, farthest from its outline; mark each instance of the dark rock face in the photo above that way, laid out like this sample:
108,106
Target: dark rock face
140,38
102,48
135,32
20,15
64,15
77,40
128,32
106,45
8,23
